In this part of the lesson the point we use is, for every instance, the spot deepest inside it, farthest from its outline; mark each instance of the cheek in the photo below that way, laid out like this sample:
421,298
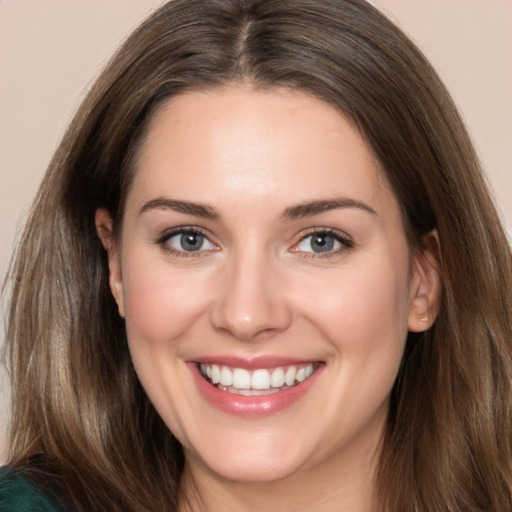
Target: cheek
160,302
361,302
363,313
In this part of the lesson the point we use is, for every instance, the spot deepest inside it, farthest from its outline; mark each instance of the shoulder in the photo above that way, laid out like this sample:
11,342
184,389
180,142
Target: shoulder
19,494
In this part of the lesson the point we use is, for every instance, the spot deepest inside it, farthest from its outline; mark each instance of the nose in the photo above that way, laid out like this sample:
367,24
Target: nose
252,302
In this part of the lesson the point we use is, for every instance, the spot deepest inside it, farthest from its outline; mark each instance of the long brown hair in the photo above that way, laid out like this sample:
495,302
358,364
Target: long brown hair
81,422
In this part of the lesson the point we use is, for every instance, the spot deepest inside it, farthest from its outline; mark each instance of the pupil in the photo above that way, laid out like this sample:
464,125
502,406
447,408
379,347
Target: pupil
191,241
322,243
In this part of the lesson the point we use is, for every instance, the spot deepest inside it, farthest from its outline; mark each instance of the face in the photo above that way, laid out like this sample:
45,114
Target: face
266,281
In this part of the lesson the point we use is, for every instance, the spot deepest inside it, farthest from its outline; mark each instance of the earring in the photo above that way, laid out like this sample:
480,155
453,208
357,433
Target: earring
423,318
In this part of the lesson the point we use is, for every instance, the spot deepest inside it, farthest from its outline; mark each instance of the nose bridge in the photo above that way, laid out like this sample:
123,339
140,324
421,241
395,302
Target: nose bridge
251,301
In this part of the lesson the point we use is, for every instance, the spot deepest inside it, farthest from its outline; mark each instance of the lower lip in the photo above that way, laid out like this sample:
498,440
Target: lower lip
252,406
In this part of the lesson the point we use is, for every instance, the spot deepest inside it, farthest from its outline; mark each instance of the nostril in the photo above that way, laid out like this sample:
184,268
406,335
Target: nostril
250,320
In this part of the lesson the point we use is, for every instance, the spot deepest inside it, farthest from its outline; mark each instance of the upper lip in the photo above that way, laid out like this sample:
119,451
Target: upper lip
252,363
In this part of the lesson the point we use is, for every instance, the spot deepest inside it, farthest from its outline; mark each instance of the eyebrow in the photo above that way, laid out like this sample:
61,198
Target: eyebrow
187,207
311,208
291,213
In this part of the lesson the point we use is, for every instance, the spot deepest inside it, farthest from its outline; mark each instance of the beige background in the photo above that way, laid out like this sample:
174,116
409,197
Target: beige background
50,51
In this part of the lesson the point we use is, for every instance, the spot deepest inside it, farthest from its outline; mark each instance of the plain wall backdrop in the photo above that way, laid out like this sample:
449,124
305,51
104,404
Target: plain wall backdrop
51,50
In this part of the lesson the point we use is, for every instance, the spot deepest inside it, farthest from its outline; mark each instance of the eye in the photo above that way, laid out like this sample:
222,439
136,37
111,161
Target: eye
322,242
186,240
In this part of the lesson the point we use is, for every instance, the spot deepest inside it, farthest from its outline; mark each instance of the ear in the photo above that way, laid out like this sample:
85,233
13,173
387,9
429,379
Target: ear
425,291
104,228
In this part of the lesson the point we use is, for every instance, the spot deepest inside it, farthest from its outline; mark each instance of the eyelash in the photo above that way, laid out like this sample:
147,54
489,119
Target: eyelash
167,235
346,243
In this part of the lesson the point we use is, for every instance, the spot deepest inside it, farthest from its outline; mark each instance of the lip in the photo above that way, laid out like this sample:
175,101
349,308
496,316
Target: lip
252,406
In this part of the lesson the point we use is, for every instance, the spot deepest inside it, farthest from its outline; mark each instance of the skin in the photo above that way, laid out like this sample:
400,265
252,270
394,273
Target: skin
257,287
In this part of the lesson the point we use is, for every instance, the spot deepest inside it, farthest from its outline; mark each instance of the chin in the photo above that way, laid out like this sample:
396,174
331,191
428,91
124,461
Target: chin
260,464
245,472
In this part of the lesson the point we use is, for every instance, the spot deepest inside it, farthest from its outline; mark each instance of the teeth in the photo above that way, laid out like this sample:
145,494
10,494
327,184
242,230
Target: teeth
215,374
241,379
253,392
260,381
289,378
277,378
226,377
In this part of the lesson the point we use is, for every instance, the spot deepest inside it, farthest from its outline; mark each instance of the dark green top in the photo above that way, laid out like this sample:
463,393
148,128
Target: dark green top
19,494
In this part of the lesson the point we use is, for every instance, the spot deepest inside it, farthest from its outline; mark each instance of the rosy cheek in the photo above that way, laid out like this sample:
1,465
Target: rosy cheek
159,303
368,304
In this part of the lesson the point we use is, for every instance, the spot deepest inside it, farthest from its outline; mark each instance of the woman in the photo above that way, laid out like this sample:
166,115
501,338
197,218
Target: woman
269,276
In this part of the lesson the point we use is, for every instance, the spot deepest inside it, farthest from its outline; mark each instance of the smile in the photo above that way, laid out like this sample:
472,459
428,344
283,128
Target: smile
260,381
254,388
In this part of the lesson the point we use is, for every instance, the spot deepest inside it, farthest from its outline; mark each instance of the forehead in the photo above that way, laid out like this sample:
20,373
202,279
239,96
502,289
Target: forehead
279,144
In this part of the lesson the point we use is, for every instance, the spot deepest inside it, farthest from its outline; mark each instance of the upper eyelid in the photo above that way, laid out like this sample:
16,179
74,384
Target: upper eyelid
164,244
342,236
330,231
168,233
346,241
